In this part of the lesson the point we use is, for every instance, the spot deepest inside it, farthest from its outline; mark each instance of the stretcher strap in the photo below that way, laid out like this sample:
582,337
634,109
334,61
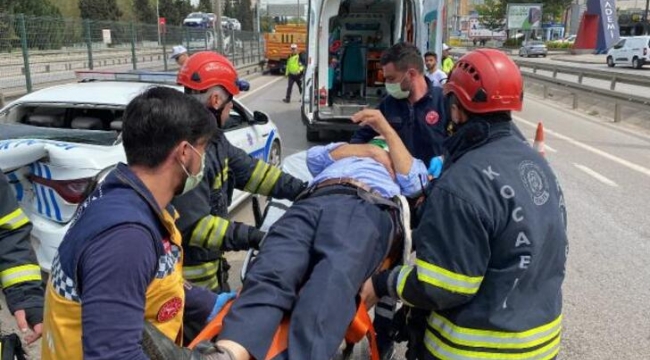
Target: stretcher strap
213,328
362,326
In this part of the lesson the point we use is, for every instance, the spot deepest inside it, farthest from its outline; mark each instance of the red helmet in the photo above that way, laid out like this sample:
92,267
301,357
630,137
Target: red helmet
207,69
486,80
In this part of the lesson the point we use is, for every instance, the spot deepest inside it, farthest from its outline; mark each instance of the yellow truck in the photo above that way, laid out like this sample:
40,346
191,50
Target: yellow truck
278,45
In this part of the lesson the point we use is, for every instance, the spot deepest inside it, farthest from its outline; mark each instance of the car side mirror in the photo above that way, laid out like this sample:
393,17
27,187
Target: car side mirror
260,118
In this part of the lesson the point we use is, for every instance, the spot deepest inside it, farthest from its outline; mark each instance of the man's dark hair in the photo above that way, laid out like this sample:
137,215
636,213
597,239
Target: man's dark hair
430,53
159,119
403,56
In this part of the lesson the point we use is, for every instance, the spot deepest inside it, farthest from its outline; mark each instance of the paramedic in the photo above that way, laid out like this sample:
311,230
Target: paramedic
492,242
119,265
415,109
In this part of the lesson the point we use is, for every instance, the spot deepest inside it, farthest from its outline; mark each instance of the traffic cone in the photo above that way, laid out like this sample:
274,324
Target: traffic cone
539,139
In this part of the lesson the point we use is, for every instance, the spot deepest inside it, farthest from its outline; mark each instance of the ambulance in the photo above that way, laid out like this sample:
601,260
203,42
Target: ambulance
345,41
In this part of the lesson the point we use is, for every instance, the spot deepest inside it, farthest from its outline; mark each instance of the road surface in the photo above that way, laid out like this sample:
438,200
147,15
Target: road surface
604,169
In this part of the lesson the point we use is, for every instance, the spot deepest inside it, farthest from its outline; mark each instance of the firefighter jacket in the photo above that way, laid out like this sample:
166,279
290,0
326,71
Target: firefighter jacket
20,275
121,200
491,250
203,211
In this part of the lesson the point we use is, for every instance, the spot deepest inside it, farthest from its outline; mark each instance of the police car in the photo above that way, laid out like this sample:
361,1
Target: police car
56,144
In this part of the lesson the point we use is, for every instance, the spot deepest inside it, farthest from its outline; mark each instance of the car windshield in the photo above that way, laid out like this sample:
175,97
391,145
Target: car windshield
93,137
195,16
535,43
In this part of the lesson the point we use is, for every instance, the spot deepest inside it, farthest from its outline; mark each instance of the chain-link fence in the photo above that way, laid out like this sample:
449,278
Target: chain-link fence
38,51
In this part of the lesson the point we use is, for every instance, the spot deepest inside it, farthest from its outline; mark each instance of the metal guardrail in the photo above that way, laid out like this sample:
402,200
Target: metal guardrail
613,77
578,88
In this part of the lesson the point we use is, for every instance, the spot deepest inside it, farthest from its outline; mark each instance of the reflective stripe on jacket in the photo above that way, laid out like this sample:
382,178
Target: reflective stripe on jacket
20,275
491,250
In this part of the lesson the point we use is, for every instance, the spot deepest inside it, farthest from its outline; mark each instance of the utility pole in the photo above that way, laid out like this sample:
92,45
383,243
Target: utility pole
216,8
158,19
298,19
257,16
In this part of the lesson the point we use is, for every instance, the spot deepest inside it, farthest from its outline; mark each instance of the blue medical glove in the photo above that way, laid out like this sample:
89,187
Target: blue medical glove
222,299
435,166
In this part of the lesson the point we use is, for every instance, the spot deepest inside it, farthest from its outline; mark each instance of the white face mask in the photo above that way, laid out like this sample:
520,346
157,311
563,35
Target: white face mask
395,90
193,181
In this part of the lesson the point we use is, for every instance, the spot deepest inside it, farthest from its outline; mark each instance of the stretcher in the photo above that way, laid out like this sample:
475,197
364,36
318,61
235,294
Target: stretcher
361,326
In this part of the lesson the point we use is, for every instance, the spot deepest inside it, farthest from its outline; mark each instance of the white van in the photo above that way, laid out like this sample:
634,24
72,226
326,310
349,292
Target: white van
633,51
355,33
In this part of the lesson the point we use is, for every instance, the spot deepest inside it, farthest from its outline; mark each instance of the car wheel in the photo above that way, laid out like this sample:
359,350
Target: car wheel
275,154
543,55
610,61
313,135
636,63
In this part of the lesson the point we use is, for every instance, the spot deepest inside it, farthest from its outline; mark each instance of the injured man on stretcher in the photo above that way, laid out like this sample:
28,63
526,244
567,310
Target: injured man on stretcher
315,258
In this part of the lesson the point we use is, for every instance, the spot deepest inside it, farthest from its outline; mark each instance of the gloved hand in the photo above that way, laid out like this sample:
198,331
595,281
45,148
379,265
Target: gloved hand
221,301
255,237
435,166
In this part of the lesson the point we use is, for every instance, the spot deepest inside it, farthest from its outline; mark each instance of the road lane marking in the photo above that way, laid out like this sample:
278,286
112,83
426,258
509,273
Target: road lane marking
596,175
546,147
249,93
606,155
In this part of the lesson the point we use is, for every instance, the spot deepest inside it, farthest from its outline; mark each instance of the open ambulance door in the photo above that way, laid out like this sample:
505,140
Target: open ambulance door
431,28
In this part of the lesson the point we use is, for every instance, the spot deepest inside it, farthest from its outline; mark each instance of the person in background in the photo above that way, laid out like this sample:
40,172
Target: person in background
179,54
20,275
437,76
293,72
447,61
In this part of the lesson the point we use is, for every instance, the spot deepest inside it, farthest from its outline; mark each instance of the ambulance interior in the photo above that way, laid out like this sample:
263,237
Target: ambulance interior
356,33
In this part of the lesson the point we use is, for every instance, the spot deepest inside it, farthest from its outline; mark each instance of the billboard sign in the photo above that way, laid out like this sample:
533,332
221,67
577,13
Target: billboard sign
524,16
609,31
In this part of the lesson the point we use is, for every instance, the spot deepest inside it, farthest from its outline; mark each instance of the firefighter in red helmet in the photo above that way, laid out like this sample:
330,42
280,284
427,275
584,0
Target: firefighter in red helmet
491,240
203,222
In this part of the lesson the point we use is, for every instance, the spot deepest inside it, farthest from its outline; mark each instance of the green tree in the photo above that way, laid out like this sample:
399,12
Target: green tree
245,15
99,10
492,14
266,23
144,12
228,10
184,8
205,6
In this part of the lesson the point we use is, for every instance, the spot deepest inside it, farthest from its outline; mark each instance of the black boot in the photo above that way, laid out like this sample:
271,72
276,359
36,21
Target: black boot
157,346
